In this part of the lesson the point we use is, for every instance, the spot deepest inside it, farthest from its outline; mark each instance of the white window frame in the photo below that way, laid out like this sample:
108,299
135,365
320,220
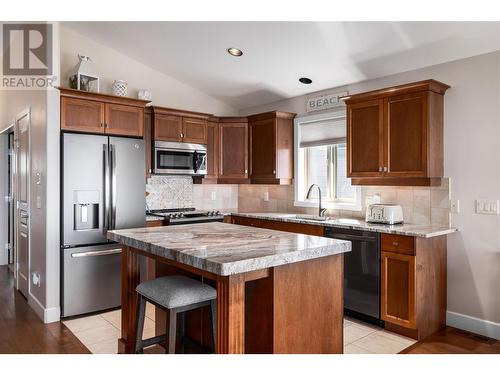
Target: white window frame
300,189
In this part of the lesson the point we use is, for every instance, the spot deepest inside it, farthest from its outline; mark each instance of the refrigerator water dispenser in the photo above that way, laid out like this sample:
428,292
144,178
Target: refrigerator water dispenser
86,210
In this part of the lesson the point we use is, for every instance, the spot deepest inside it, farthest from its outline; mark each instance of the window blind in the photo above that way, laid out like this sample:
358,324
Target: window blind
326,131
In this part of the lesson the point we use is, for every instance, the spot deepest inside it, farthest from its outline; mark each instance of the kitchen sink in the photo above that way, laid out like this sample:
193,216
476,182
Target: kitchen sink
313,217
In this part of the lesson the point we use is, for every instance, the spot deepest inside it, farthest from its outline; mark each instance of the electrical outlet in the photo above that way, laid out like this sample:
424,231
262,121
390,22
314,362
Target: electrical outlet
454,206
489,207
266,196
213,195
35,278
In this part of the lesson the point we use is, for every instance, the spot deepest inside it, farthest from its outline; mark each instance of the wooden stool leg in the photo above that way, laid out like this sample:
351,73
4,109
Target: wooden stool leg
171,330
213,320
141,312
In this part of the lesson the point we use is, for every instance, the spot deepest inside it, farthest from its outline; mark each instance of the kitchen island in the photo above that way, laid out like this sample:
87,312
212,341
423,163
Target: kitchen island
277,292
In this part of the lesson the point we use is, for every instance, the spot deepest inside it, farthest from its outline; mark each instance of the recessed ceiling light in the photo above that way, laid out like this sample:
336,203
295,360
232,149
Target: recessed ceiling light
235,51
305,80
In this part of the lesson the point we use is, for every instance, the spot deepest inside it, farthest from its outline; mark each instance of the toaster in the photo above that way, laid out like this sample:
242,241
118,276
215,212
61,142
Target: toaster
384,214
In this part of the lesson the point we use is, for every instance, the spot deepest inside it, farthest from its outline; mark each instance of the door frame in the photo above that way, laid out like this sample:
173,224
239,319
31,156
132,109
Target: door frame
24,113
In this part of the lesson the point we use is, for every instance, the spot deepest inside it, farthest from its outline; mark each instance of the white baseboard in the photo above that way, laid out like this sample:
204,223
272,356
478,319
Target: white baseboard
472,324
49,315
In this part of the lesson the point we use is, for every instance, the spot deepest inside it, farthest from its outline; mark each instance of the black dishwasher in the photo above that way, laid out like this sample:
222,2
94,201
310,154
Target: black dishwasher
361,273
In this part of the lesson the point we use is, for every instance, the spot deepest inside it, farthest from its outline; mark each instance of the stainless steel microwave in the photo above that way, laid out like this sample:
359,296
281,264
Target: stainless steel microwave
180,158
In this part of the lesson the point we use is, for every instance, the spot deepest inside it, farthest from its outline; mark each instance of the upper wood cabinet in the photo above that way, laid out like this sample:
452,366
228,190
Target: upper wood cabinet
212,150
233,150
271,147
102,114
395,135
179,126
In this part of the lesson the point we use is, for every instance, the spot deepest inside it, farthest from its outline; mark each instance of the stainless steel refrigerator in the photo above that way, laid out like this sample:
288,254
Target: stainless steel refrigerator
103,188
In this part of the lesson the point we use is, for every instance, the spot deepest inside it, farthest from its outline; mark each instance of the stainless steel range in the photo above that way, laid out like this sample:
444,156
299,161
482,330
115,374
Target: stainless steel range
178,216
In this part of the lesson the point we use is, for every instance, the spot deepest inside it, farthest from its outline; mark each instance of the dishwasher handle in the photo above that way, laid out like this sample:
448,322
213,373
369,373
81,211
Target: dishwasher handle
351,237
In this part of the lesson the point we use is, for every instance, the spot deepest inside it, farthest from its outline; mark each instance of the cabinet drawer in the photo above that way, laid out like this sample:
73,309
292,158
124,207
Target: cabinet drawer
398,244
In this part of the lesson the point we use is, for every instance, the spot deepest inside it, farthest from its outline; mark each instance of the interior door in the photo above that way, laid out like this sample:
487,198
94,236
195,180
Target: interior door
365,139
11,195
22,179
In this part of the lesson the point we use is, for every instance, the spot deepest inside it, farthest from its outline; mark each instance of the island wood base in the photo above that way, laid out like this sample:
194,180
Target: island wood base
294,308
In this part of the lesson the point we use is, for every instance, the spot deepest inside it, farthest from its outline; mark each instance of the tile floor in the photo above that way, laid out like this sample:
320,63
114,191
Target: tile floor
99,333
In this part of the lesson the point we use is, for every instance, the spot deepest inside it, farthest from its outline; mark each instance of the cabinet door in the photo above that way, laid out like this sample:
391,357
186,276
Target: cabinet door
82,115
124,120
365,134
233,157
398,289
212,150
167,128
262,148
194,130
406,129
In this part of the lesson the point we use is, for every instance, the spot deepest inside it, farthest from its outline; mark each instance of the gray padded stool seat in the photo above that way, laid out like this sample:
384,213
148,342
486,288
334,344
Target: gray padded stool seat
174,294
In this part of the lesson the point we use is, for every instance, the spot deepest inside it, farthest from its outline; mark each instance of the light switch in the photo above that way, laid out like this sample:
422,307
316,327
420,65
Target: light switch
455,206
488,207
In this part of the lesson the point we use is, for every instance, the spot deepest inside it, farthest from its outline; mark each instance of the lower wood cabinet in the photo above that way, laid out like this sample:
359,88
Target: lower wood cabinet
413,284
397,280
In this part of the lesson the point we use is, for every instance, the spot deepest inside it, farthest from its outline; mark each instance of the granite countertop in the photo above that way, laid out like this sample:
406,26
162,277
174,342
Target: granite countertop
425,231
228,249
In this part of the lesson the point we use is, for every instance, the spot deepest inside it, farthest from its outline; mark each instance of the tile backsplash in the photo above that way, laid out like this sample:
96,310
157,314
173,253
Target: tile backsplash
180,192
421,205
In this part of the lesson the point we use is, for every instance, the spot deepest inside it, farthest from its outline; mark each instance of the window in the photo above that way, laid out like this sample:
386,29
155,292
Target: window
321,160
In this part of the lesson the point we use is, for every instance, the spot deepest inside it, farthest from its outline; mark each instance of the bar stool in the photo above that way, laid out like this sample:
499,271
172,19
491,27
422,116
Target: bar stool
173,294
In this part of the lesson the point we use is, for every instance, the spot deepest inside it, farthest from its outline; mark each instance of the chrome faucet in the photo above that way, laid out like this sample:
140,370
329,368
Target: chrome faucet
321,211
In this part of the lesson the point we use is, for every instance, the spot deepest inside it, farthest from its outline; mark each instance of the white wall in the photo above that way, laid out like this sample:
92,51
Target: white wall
472,161
112,65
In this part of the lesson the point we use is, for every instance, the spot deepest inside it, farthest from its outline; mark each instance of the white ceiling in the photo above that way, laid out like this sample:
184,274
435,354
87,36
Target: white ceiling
276,54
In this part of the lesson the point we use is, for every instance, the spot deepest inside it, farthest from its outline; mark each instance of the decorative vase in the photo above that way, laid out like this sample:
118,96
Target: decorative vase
120,88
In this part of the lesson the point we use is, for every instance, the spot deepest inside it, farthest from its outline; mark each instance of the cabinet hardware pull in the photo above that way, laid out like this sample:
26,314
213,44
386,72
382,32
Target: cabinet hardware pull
385,169
274,171
246,170
380,169
395,243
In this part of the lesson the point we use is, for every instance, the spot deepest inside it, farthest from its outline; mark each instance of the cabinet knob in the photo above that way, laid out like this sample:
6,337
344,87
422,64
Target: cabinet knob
380,169
395,244
385,169
150,170
182,135
274,171
246,170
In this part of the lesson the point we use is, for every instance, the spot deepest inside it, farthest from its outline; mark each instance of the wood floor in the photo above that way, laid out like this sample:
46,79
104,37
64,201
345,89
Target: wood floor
21,331
454,341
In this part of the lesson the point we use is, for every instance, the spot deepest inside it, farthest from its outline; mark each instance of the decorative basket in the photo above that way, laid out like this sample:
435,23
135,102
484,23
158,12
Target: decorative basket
120,88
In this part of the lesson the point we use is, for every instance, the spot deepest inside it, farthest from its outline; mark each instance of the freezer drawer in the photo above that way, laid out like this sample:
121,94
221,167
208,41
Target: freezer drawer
91,279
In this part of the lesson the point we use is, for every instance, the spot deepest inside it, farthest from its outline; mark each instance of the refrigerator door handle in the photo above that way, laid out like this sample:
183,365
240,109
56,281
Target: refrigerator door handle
113,185
106,189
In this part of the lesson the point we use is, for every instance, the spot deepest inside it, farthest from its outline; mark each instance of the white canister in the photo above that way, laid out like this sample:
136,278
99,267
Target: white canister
144,94
120,88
